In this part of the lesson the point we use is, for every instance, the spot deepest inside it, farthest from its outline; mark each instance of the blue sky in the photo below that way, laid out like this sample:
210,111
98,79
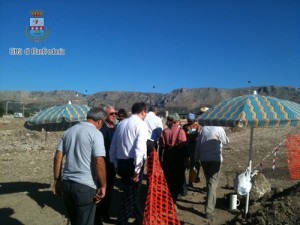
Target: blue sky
152,46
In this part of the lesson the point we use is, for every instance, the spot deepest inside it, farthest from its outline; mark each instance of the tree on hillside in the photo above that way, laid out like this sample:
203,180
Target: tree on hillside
1,110
26,114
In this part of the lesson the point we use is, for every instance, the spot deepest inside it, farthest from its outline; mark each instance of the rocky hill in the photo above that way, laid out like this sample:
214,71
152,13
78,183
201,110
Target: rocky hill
180,100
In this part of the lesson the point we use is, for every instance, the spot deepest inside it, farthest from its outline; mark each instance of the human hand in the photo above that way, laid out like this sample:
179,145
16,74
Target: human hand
135,178
99,195
57,188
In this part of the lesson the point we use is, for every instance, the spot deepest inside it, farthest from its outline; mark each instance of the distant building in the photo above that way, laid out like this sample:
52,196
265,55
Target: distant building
18,115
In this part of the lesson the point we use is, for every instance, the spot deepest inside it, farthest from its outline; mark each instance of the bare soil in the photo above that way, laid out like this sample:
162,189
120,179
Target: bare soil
26,180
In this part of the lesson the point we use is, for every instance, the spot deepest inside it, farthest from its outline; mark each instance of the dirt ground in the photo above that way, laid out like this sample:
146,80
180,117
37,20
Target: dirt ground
26,180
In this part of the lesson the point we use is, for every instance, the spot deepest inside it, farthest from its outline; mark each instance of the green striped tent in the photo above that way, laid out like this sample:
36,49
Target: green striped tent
57,118
252,111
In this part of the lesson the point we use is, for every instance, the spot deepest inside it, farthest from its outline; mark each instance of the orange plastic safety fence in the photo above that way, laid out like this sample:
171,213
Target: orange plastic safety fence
159,208
292,144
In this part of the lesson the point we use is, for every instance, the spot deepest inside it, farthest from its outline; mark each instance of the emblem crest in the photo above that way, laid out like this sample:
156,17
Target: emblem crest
37,31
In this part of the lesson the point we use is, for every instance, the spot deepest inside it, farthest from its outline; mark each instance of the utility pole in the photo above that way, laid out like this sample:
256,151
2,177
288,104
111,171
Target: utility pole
6,107
24,110
249,81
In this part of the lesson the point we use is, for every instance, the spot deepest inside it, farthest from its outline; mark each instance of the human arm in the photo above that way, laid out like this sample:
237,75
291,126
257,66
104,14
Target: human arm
161,146
101,178
197,149
113,149
223,137
183,145
198,129
161,127
140,149
57,168
160,123
181,142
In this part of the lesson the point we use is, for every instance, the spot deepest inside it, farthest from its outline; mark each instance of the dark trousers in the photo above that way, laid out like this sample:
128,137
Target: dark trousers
78,199
103,207
174,171
130,203
150,146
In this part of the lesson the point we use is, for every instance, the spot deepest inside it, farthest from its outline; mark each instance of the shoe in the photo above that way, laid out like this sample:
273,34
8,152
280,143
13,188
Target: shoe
209,216
181,196
191,184
98,222
176,208
108,220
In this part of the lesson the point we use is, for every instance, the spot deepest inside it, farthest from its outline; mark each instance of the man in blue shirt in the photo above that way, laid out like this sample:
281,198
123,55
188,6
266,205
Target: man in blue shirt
83,179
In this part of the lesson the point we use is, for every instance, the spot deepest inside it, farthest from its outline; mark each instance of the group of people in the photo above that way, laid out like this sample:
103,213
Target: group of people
97,149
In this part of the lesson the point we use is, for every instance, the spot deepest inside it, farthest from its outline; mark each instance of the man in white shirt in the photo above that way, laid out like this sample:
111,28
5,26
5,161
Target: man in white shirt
128,151
155,128
209,151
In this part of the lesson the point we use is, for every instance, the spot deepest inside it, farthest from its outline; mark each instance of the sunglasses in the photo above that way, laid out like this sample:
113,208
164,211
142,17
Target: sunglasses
113,114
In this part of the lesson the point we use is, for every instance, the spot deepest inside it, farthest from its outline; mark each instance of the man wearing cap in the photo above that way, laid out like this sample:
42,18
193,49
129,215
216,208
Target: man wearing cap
192,130
174,154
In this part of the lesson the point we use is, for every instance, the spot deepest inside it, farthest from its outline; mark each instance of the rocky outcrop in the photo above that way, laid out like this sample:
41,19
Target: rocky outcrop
180,100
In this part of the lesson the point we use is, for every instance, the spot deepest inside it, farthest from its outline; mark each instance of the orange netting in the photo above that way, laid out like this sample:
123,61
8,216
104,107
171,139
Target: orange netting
159,208
292,144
